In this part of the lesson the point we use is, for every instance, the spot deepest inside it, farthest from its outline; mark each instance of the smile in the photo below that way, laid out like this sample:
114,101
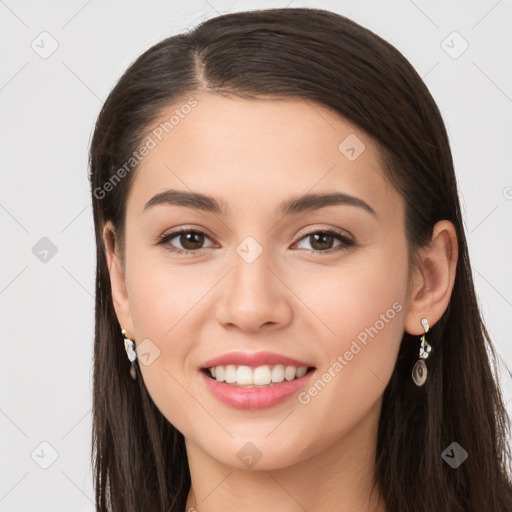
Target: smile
255,396
266,375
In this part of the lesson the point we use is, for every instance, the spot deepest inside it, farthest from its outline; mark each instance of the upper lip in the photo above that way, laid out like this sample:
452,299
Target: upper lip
254,359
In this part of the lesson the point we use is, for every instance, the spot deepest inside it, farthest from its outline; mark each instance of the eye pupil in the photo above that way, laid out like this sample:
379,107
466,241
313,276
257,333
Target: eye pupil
324,237
196,244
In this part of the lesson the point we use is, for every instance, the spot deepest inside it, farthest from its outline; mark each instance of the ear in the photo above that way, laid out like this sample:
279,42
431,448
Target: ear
432,279
117,280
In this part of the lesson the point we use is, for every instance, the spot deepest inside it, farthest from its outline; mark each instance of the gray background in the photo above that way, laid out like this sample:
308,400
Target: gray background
48,106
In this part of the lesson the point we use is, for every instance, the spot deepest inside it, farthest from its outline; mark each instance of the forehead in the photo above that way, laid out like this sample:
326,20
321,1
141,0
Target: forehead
258,151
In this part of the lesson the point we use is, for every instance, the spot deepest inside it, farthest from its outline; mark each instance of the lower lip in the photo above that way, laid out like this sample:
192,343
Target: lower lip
254,398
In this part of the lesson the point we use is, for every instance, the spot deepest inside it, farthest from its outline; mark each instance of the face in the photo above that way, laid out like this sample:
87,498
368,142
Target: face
321,282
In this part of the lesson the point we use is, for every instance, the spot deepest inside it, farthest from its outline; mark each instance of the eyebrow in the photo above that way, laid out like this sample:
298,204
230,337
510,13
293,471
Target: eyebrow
294,205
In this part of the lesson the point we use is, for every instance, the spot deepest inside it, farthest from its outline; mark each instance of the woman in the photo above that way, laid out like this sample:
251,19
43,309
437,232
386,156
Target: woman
285,312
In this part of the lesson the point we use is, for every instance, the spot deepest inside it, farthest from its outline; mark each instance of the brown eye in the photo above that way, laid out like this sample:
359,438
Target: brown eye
322,241
190,240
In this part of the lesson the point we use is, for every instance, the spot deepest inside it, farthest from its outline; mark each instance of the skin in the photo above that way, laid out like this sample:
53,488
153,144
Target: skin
254,154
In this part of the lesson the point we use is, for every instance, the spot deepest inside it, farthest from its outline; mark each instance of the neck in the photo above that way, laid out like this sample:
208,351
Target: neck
339,478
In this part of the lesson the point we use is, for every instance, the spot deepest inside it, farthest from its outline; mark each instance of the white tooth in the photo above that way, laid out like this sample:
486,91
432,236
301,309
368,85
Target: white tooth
278,373
289,373
230,374
219,373
301,371
244,375
262,376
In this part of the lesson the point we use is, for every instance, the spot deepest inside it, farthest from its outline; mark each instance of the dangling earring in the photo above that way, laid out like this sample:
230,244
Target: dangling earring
129,346
419,372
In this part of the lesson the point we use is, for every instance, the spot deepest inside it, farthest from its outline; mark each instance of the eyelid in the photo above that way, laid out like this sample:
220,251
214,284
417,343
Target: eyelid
310,231
181,229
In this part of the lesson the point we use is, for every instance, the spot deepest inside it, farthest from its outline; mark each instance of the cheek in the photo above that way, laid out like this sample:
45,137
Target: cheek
359,301
361,311
366,315
163,297
165,303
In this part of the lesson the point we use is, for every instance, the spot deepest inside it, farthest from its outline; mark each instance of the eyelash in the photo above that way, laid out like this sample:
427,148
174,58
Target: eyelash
346,244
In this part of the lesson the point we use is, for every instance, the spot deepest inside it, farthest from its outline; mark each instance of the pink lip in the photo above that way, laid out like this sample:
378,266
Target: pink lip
254,398
254,359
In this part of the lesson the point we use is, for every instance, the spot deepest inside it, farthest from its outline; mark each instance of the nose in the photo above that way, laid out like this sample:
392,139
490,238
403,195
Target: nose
254,296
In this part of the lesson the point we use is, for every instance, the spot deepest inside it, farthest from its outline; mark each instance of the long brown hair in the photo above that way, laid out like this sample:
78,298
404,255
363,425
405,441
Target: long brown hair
139,458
